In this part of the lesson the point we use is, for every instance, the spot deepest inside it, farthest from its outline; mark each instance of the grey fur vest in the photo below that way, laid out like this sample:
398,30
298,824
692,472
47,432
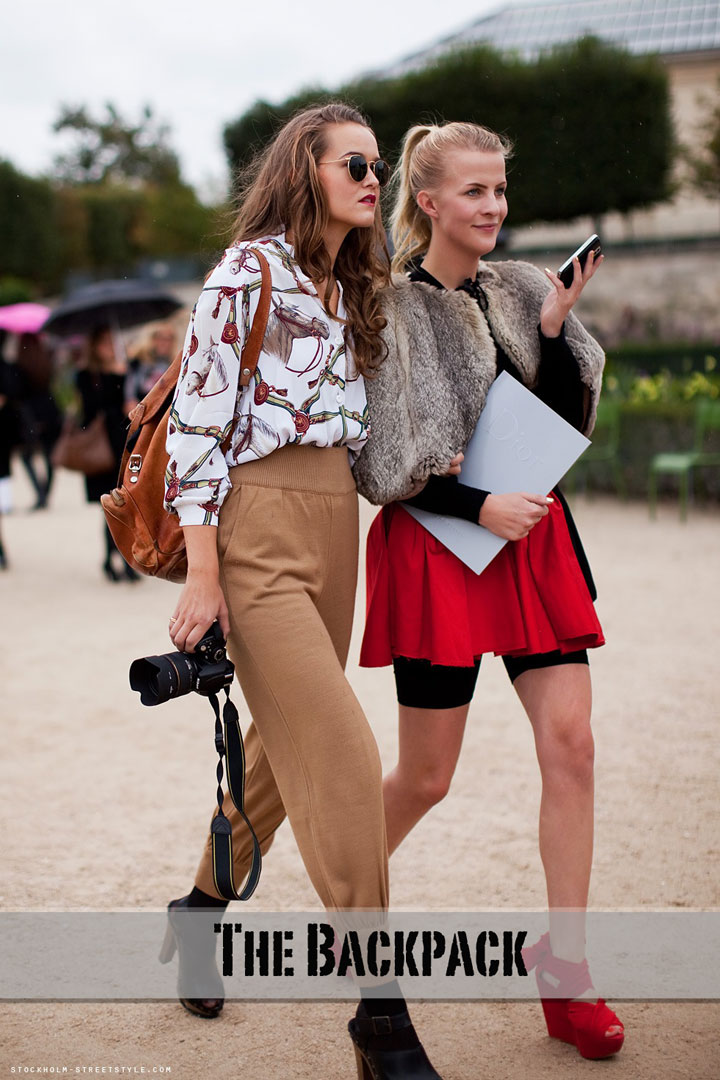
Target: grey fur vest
425,400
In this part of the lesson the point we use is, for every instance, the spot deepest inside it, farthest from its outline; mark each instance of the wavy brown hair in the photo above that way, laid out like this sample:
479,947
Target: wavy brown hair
281,189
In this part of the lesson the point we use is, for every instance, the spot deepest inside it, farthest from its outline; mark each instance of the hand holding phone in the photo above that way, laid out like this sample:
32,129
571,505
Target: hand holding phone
563,296
566,271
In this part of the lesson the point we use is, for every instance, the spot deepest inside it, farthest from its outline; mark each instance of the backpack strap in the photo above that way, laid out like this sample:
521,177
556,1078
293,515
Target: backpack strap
253,346
156,399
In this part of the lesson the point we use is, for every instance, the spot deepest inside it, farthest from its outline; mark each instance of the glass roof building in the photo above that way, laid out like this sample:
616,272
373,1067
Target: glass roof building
666,27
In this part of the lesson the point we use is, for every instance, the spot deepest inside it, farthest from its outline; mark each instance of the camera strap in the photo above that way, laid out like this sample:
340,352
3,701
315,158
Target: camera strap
229,745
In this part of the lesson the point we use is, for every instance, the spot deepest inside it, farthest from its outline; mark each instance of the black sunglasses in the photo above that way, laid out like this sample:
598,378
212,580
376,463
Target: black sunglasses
358,167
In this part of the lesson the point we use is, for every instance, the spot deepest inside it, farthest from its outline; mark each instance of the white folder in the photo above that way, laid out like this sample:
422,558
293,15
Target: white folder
519,444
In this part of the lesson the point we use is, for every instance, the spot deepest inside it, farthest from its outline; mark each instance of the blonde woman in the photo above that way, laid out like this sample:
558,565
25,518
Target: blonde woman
149,363
453,326
271,526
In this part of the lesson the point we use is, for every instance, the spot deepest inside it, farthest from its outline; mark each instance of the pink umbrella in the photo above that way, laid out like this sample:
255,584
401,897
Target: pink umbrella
23,318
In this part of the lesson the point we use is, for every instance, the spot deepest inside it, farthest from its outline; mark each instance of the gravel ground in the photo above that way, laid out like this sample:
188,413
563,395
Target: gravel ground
97,815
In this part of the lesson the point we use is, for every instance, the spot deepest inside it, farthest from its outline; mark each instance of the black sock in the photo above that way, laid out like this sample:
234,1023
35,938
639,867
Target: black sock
383,1000
199,899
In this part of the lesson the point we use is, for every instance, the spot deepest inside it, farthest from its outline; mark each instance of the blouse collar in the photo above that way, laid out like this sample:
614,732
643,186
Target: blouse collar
300,274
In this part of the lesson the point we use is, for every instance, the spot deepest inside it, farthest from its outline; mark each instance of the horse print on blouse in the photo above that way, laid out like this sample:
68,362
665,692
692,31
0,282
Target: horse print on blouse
211,370
287,323
244,260
255,435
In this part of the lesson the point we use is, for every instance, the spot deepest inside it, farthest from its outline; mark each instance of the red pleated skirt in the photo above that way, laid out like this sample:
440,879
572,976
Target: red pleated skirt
424,603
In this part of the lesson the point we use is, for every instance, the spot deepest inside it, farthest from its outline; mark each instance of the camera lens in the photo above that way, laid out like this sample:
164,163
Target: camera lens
160,678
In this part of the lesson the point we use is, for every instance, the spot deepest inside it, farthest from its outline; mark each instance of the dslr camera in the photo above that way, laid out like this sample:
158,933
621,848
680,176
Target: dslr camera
206,671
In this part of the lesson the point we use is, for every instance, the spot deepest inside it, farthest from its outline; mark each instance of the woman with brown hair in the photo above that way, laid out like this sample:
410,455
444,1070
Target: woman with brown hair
271,525
452,328
100,383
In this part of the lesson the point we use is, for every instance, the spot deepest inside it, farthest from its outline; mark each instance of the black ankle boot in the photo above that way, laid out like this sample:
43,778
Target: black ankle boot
377,1059
190,931
109,570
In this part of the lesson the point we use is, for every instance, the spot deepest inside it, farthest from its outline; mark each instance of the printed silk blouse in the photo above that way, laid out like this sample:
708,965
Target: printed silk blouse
306,388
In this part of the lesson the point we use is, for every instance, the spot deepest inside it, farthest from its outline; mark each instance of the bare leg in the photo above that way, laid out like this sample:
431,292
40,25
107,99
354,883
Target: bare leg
558,702
428,748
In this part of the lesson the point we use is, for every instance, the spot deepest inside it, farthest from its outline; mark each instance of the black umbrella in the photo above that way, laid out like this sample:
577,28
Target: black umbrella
116,304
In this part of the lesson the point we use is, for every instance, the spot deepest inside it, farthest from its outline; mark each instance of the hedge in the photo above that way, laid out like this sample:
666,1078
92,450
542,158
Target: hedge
647,429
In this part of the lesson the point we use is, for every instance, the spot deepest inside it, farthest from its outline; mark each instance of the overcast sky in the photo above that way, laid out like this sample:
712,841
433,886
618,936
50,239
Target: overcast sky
198,64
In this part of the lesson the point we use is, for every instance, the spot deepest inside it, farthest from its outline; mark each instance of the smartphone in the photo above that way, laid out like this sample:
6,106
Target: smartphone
565,273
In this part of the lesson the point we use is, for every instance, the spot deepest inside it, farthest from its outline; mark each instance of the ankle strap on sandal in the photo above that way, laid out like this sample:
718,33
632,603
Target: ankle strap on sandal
561,978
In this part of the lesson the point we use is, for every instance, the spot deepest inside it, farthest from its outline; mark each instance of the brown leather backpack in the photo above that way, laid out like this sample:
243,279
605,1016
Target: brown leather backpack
149,538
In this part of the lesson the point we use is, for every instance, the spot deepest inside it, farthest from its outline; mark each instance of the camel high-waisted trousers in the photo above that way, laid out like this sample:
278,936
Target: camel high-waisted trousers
287,541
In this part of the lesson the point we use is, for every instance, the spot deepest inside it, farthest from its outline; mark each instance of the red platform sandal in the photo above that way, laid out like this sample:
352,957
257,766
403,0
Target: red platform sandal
589,1025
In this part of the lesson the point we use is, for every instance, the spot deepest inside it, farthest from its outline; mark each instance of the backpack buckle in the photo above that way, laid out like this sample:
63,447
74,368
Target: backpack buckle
134,466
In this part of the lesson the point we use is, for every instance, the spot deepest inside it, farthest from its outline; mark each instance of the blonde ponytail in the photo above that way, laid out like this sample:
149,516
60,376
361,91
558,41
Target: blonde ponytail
422,167
410,227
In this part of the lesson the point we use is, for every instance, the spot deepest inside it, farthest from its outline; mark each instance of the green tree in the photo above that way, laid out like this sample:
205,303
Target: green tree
110,149
31,247
703,158
114,226
595,134
121,195
591,123
14,291
175,222
116,197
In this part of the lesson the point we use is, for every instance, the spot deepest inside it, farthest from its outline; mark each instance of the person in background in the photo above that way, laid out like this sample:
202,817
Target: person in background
101,385
151,360
40,417
9,438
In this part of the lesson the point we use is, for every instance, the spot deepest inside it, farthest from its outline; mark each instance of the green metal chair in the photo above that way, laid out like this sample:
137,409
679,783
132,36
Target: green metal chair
604,449
682,463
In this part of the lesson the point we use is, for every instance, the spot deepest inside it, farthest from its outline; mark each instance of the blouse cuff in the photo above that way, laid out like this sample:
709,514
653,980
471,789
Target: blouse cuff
193,514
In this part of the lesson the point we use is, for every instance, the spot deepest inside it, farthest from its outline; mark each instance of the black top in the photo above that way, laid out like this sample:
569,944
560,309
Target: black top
10,435
104,392
559,385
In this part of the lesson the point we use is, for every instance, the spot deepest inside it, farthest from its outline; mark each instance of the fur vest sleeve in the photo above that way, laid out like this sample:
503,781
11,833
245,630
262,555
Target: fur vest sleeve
428,393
